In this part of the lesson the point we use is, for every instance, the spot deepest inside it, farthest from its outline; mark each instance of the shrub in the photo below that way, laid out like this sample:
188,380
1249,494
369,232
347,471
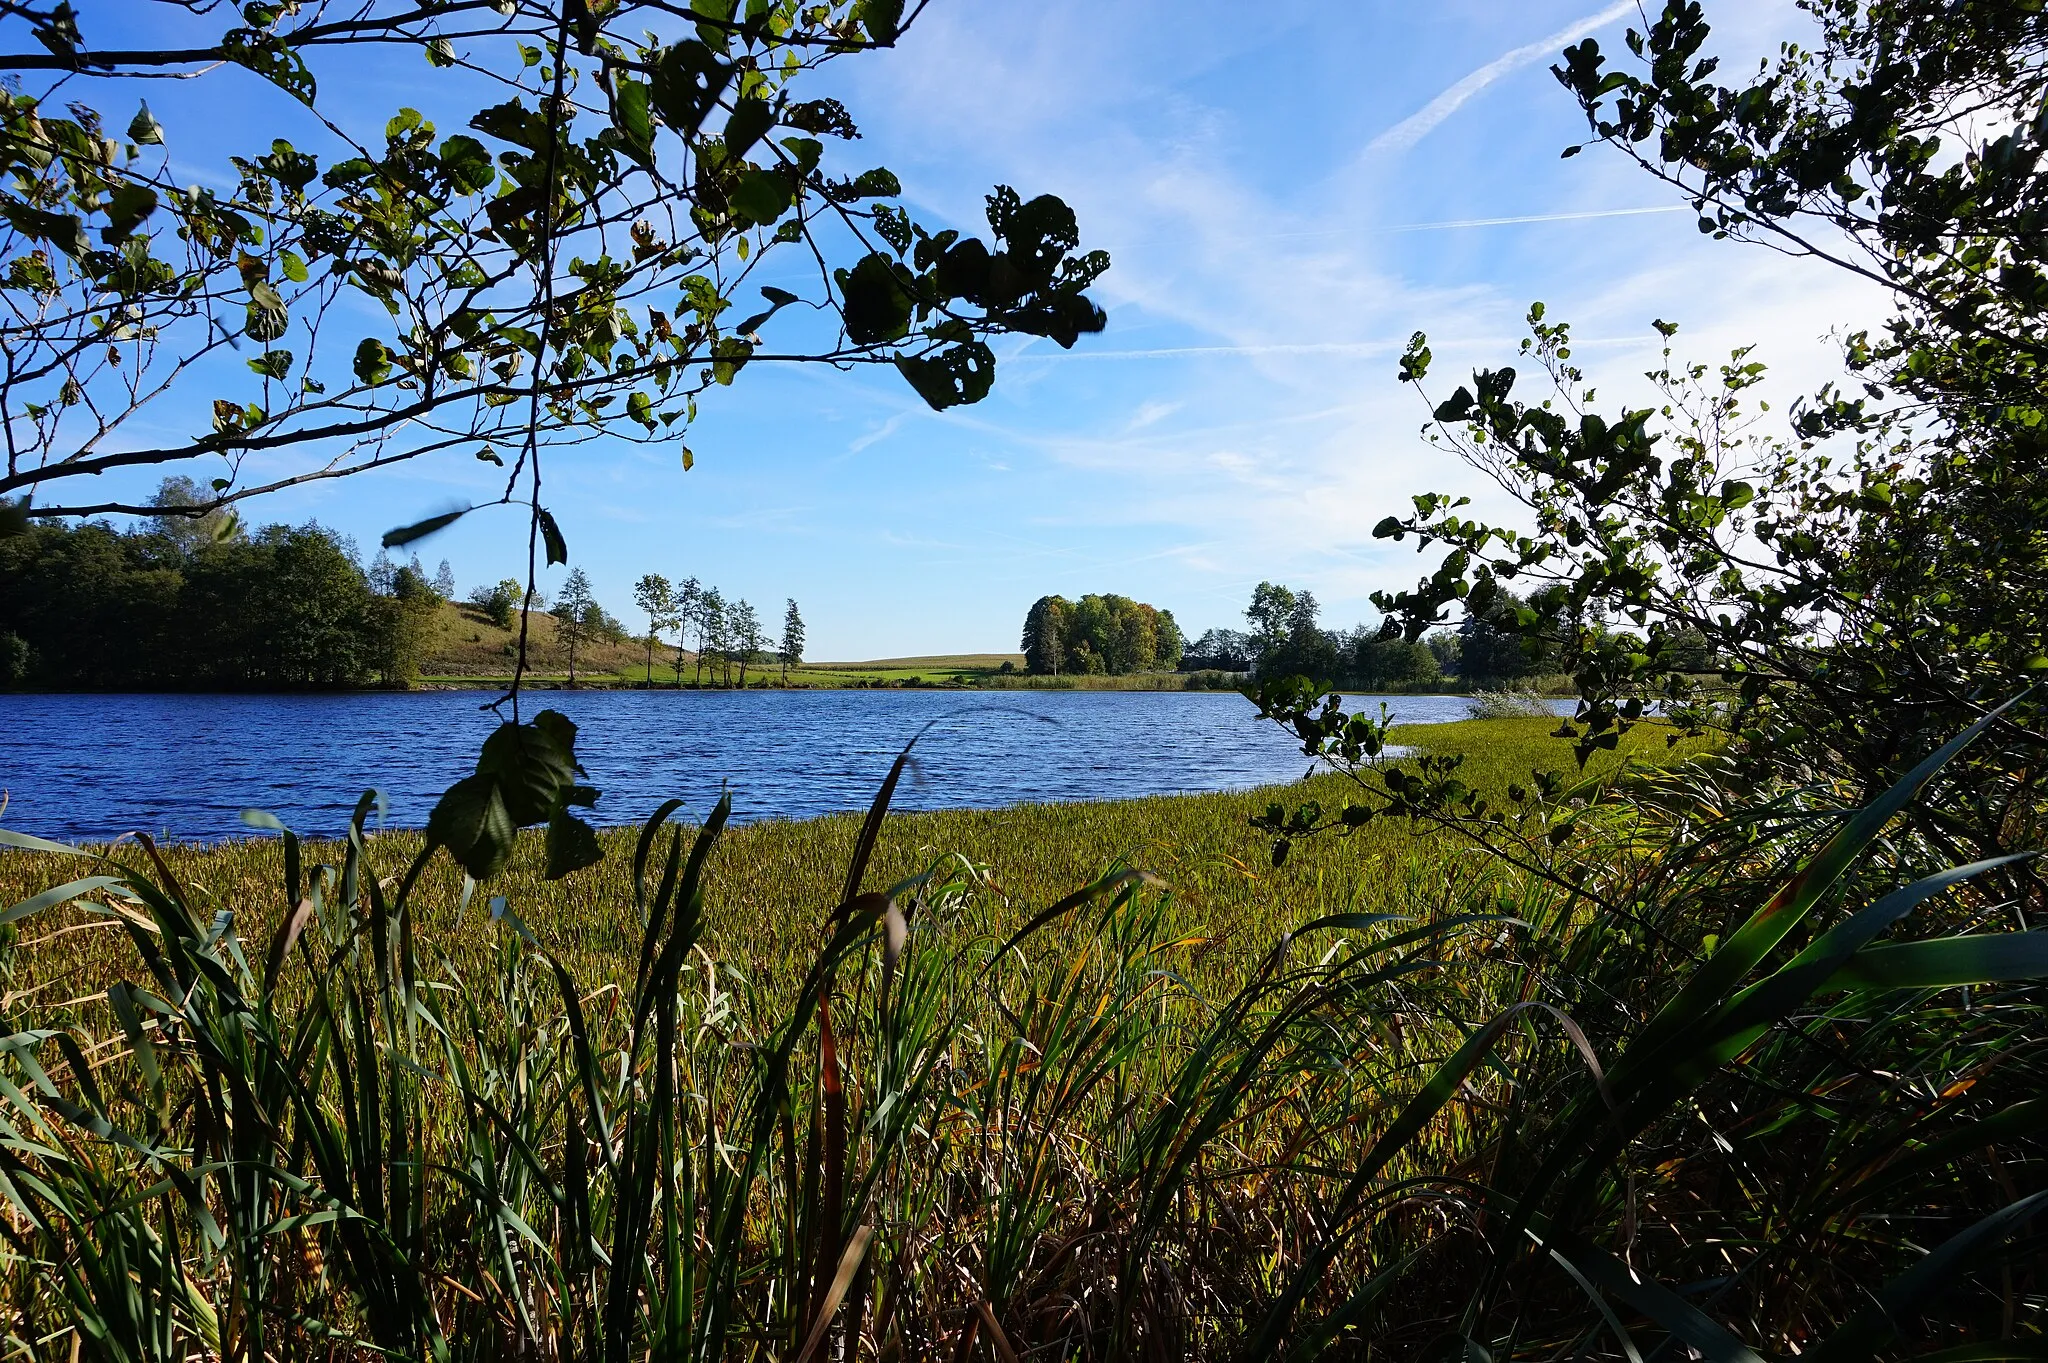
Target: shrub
1507,705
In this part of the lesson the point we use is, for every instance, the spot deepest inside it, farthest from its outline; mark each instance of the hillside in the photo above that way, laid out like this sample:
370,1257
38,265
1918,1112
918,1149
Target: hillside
465,644
932,662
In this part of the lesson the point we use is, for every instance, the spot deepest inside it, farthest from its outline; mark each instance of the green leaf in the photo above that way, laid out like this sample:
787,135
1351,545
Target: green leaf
61,894
729,355
419,530
533,764
686,83
526,774
373,361
761,196
1600,1270
470,820
877,299
883,19
571,845
879,183
127,209
640,407
635,120
750,120
1704,990
144,129
1903,1297
467,164
272,364
61,230
954,377
1979,958
551,534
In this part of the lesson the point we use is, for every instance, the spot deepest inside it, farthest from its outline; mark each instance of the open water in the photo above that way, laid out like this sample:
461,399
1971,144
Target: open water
184,765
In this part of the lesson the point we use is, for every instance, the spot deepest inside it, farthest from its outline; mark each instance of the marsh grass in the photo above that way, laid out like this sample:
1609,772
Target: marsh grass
940,1086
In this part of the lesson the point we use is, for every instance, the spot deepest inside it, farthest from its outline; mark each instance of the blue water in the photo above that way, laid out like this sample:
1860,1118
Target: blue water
96,766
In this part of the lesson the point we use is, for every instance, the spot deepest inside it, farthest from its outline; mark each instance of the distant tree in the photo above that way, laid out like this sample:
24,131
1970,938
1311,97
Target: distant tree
1271,611
444,581
748,636
17,659
1044,636
383,573
1226,650
657,599
603,625
1448,650
1392,664
1287,638
1103,633
1171,643
1688,650
792,650
95,608
405,625
498,602
572,612
193,528
688,599
710,631
1505,639
408,584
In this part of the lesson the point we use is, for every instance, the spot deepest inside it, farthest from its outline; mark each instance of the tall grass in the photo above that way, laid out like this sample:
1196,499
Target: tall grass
1711,1079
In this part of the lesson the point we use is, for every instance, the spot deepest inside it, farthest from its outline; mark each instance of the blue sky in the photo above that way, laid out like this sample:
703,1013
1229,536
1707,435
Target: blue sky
1285,199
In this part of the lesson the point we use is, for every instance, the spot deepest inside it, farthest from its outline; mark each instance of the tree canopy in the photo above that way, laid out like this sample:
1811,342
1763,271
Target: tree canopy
1107,635
574,228
89,607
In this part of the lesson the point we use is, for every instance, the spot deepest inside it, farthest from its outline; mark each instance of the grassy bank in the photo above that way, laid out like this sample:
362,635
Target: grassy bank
1396,1098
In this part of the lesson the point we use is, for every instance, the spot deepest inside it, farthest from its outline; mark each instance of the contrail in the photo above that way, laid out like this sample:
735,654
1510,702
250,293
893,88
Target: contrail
1418,125
1531,217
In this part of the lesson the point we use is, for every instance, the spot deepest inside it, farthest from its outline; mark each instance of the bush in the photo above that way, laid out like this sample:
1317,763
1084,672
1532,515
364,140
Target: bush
1507,705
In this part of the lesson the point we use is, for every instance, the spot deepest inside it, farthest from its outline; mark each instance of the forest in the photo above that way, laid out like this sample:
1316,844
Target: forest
89,607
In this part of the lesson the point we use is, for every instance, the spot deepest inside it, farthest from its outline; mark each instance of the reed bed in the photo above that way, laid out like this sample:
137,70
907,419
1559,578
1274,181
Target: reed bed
1700,1078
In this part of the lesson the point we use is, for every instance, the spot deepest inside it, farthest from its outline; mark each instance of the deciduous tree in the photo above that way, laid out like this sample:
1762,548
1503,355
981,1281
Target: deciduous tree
656,599
573,607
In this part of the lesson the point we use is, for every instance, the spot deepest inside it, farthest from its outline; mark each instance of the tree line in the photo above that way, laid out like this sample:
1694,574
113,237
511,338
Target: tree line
730,635
1506,640
182,601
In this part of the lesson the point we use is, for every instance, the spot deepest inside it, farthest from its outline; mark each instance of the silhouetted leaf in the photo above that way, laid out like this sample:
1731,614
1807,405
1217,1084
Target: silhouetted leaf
551,535
419,530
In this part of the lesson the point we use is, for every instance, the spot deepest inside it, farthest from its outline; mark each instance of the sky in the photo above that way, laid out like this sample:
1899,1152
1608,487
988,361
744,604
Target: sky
1285,200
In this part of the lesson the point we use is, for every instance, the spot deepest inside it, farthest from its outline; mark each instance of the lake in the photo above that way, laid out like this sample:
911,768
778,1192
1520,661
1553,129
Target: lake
185,766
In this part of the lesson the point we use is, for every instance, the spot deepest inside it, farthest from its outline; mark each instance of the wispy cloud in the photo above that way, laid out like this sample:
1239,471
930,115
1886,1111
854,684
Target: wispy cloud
1423,121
